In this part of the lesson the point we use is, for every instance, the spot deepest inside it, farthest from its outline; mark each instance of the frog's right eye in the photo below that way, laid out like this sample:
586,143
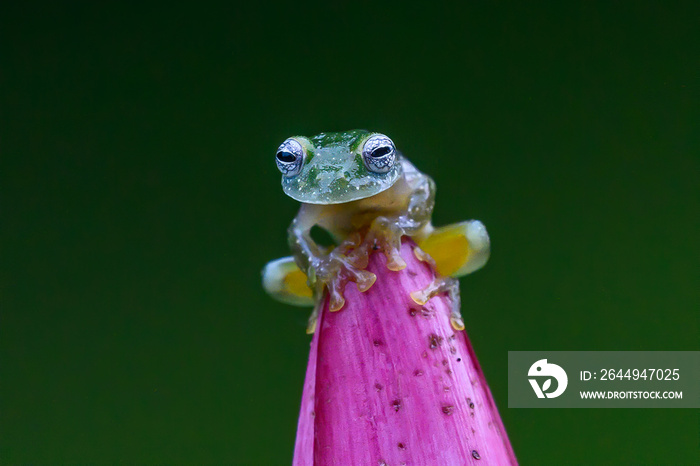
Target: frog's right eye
379,154
290,157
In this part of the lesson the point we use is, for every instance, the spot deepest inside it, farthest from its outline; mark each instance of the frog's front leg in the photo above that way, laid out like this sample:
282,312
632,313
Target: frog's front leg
385,232
330,269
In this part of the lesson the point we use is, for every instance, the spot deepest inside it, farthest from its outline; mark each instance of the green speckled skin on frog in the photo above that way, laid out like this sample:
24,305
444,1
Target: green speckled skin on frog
334,170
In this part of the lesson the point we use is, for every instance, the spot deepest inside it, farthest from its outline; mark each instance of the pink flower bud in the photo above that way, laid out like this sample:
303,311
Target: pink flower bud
390,382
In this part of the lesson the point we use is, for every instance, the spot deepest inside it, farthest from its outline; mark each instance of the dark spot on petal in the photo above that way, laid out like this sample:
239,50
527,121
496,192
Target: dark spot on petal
418,372
453,350
471,404
452,337
425,354
313,413
396,404
475,454
412,312
448,372
444,362
402,446
459,359
446,389
434,341
378,386
378,342
448,409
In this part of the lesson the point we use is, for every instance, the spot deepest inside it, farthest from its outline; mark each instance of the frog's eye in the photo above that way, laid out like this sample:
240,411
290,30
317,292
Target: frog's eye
379,154
290,157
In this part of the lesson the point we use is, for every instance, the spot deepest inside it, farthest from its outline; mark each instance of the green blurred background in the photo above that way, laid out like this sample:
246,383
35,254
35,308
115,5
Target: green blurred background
140,201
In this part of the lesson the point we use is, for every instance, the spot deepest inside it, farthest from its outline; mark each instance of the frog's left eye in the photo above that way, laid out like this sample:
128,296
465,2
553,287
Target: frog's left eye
290,157
379,154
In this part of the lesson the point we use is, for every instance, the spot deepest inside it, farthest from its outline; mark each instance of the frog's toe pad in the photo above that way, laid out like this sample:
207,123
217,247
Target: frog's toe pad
458,249
284,281
439,285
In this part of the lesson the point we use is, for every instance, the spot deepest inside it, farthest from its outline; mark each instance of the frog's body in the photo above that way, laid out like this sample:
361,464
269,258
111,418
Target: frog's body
357,187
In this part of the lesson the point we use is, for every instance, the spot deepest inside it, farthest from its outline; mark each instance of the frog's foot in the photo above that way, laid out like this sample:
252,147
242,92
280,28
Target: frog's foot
443,285
457,249
385,235
335,271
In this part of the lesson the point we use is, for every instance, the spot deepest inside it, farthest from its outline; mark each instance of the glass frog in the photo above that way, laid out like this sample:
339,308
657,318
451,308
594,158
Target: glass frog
359,188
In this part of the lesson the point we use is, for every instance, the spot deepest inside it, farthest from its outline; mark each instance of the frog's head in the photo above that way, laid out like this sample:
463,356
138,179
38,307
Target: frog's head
332,168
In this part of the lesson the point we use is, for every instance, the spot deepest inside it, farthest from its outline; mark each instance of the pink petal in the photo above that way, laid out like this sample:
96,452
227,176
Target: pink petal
390,382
